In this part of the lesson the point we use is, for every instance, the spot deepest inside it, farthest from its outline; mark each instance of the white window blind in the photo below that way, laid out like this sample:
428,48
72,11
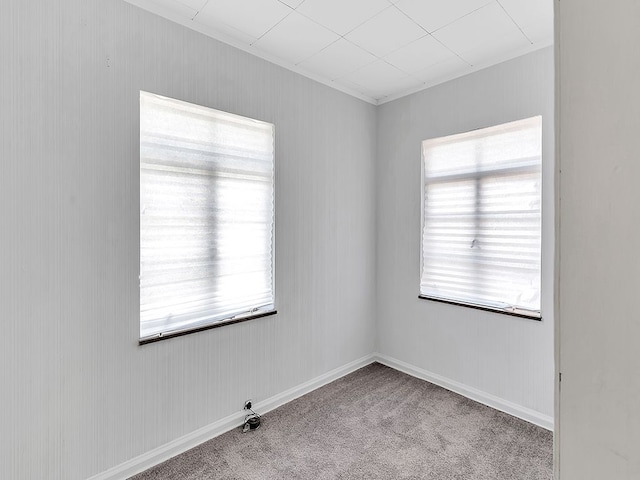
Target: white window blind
206,216
481,218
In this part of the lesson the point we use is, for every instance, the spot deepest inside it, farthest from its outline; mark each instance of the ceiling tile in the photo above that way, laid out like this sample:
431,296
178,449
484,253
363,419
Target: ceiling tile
381,78
535,18
296,38
338,59
345,83
435,14
484,36
443,71
292,3
386,32
252,17
341,16
469,34
420,54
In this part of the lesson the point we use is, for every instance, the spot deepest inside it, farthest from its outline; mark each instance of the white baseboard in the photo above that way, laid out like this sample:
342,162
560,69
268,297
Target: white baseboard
186,442
304,388
492,401
193,439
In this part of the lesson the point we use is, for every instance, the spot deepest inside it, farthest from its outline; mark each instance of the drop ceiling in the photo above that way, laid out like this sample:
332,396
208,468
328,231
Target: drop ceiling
376,50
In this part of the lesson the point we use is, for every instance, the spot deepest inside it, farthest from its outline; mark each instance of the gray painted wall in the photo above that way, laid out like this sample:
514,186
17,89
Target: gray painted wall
599,152
78,394
503,356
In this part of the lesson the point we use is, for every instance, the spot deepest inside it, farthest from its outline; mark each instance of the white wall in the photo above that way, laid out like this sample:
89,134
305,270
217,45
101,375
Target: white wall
599,266
78,395
498,355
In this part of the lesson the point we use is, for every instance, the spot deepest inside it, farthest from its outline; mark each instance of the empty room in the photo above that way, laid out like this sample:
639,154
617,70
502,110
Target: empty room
319,239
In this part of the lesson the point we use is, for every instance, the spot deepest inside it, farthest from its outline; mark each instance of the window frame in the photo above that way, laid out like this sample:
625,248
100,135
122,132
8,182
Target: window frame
514,311
253,313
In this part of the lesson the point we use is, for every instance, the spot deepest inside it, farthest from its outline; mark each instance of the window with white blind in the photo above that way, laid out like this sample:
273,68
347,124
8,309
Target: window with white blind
481,218
206,217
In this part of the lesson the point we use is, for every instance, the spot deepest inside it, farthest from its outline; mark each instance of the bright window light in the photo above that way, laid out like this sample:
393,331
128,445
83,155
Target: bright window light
482,218
206,216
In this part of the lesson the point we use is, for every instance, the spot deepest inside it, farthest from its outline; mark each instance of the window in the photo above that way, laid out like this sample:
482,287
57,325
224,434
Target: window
206,217
481,218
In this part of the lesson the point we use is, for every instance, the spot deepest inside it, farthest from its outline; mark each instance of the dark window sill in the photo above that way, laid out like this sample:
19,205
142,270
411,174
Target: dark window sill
531,316
220,323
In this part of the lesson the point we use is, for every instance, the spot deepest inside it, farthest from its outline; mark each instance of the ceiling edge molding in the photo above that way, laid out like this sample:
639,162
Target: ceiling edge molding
228,40
476,68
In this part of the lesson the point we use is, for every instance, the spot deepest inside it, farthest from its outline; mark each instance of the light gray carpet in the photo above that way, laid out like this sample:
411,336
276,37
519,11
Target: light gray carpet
375,423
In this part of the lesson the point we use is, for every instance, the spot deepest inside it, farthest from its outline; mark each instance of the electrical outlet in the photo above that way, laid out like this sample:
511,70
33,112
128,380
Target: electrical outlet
247,405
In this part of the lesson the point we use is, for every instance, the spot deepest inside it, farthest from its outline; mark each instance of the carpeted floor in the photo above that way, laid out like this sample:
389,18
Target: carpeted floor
375,423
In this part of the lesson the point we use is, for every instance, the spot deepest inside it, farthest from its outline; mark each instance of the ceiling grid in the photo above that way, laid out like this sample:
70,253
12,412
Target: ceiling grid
376,50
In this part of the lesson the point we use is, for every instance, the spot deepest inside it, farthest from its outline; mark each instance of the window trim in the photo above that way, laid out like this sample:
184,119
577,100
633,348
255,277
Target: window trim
220,323
521,313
